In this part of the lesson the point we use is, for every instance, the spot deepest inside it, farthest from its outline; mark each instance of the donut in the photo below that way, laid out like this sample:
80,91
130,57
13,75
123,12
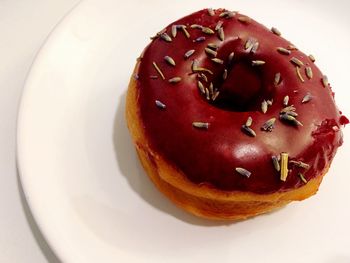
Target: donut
229,119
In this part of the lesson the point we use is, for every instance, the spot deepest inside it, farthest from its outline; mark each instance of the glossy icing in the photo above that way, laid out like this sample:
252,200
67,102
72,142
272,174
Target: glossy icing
211,155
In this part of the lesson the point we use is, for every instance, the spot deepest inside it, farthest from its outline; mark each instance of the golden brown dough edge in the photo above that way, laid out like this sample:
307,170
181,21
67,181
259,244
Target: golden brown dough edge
202,200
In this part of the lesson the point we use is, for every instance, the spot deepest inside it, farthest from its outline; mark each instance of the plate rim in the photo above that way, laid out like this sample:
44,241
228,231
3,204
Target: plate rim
44,229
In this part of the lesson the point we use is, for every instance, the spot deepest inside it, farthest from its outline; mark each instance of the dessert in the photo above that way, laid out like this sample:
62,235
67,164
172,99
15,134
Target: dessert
229,119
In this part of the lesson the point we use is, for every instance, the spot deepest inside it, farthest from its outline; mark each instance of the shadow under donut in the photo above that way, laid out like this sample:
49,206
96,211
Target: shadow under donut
138,180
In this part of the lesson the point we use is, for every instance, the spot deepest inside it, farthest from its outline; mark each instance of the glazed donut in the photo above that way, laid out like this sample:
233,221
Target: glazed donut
229,119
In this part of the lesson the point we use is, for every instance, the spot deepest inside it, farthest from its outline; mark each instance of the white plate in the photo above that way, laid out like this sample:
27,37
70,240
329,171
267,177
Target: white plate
80,172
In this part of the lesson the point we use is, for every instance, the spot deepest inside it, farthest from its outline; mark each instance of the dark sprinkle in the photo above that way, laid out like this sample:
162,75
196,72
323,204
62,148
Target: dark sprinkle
174,80
312,58
309,73
325,82
307,98
195,65
160,104
244,19
218,25
299,74
221,34
211,11
211,88
264,106
199,39
159,34
287,109
200,125
215,95
207,30
203,77
249,122
184,30
275,31
292,113
277,79
199,69
284,51
300,164
296,62
195,26
158,70
290,119
249,44
258,62
165,37
276,163
196,68
170,60
249,131
189,53
292,47
217,60
213,46
201,87
230,57
227,14
207,94
243,172
269,125
255,48
302,178
174,31
224,75
210,52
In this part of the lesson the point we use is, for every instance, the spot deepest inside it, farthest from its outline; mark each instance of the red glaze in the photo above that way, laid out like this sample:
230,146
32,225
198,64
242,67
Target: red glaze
211,156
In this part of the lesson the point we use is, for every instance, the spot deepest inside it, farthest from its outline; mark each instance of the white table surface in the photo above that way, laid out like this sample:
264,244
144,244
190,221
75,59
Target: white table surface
24,26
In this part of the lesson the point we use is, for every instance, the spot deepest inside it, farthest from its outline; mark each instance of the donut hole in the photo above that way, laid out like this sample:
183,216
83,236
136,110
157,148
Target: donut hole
242,88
